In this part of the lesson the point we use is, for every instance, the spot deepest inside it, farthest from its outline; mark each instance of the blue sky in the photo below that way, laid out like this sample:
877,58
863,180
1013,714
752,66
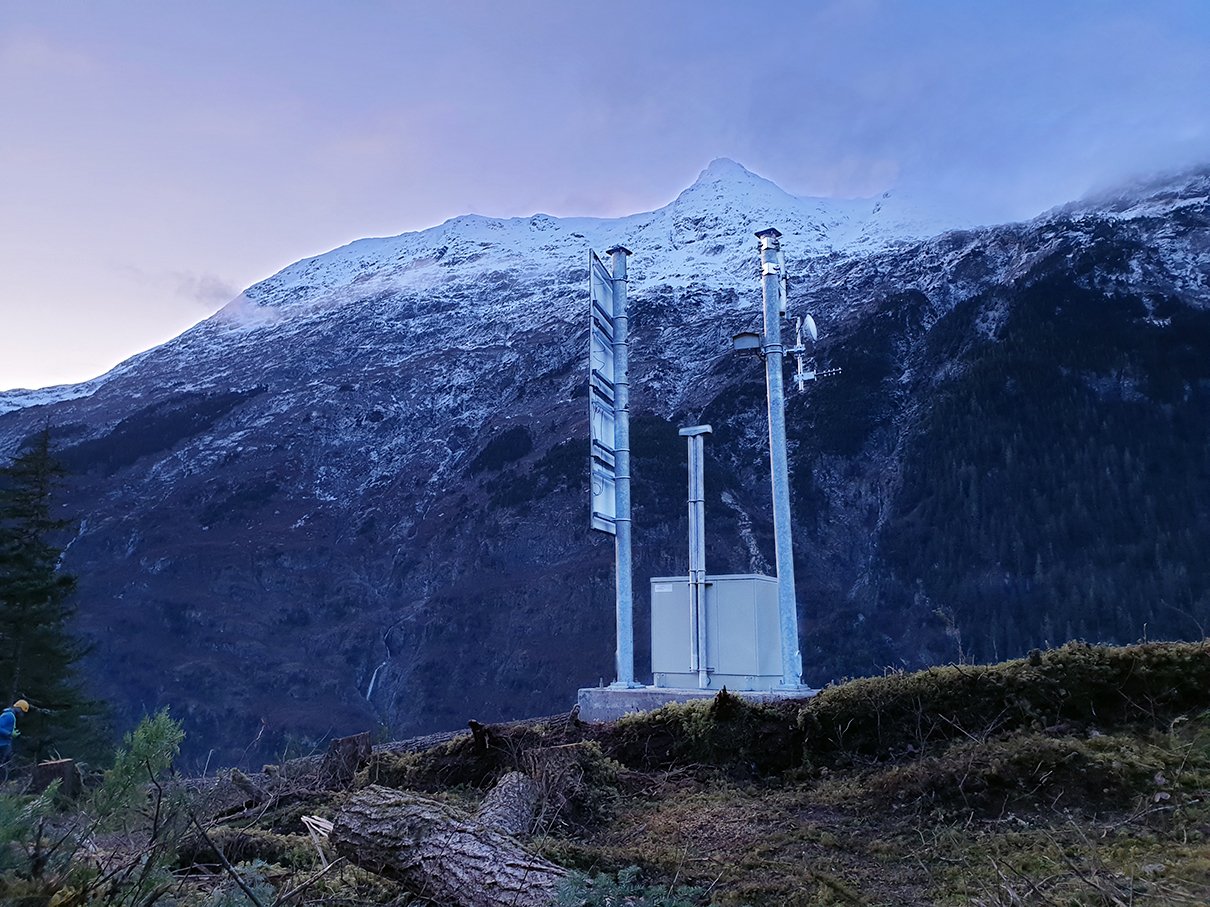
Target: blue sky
156,157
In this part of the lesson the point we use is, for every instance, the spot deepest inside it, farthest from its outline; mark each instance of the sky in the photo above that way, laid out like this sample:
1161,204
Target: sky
159,156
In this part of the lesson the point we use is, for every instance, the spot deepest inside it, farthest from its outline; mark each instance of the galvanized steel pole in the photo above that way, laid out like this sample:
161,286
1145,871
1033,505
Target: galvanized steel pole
698,659
621,433
787,604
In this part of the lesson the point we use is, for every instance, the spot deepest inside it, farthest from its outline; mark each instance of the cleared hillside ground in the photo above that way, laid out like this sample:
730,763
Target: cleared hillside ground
1079,775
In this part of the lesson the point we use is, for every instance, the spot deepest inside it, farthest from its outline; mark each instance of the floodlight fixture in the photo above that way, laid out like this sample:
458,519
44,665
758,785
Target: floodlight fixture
746,342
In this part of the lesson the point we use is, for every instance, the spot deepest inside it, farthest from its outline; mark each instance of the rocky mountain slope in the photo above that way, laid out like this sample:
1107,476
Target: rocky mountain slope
357,495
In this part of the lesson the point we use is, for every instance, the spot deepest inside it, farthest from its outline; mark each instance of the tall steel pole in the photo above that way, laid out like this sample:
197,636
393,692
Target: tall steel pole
787,604
698,658
621,435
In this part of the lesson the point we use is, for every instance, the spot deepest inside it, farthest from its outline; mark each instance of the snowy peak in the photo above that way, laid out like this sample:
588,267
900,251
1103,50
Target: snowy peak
728,203
723,168
724,178
727,191
703,236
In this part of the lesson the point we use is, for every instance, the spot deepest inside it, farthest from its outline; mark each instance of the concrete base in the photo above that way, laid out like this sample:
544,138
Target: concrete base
611,703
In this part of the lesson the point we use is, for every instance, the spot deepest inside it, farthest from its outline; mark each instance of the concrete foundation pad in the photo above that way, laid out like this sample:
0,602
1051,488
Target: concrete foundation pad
611,703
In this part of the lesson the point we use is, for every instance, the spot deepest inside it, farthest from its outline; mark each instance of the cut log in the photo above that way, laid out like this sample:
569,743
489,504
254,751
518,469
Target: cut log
441,853
344,757
511,804
62,770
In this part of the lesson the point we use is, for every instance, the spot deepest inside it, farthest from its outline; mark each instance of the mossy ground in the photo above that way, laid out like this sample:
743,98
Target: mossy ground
1078,776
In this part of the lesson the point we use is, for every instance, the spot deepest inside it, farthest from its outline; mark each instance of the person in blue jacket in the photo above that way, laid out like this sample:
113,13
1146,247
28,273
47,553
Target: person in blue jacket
8,728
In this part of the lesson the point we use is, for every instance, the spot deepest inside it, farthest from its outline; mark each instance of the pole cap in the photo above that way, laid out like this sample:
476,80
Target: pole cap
693,430
617,249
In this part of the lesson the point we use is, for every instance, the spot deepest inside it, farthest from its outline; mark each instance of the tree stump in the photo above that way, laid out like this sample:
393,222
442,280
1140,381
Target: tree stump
344,757
62,770
579,784
441,853
511,804
482,735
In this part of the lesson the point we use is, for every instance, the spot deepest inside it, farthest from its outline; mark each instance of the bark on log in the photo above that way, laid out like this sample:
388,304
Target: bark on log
440,853
511,804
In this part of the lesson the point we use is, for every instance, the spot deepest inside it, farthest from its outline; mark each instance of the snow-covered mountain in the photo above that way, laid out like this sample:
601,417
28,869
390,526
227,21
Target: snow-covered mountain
704,236
702,239
357,494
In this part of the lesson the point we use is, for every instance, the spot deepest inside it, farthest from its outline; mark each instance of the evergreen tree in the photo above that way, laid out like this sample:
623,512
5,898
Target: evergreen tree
38,654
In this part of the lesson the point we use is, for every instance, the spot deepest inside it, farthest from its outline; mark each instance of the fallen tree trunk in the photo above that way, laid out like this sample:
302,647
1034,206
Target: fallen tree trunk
440,853
510,805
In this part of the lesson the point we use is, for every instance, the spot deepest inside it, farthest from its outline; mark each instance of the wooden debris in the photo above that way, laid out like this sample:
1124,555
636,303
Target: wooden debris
441,853
229,793
320,830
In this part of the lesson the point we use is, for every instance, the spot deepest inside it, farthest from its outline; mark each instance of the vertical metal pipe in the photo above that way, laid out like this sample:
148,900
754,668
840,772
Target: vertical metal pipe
699,504
624,601
791,657
698,657
695,589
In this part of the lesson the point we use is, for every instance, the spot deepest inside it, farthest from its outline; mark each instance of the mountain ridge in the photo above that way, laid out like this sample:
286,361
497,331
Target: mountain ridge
358,494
